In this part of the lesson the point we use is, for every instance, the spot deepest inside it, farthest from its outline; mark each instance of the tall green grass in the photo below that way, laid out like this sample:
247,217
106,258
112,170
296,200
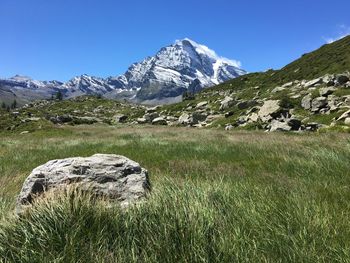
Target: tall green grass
217,197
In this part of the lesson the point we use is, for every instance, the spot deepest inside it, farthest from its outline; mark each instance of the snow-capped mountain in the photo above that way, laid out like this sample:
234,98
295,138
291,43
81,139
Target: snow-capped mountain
175,68
184,65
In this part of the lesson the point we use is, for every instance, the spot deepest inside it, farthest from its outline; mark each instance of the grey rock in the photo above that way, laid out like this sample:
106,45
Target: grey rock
306,102
269,110
278,89
184,119
201,104
159,121
344,115
226,103
153,109
318,103
312,126
111,176
313,83
149,117
277,125
228,127
347,121
141,120
61,119
326,91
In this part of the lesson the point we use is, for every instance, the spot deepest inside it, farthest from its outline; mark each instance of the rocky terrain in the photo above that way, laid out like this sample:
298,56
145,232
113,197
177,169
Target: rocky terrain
306,105
309,94
163,78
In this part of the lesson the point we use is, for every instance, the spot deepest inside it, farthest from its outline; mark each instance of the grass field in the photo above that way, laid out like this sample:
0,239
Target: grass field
217,197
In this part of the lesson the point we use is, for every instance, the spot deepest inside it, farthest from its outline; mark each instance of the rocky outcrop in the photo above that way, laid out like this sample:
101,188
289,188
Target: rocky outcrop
269,110
226,103
114,177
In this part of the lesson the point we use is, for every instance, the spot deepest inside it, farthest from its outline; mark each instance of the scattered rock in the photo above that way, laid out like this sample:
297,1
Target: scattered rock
327,91
202,104
149,117
344,115
121,118
226,103
61,119
107,175
184,119
277,125
159,121
313,83
270,109
228,127
141,120
312,126
153,109
318,103
278,89
306,102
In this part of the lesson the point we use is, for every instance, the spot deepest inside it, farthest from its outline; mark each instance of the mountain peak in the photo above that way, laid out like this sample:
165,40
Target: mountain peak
204,50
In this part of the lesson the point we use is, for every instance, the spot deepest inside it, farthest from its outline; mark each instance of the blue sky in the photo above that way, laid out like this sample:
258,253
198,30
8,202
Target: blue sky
59,39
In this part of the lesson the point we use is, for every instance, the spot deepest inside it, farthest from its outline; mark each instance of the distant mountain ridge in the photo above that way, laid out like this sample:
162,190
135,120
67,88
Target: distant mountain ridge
183,66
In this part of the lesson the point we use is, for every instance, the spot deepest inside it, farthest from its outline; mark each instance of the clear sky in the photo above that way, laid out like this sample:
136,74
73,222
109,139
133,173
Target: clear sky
59,39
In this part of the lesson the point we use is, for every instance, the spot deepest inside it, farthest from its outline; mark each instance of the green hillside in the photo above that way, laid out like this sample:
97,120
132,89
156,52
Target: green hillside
329,59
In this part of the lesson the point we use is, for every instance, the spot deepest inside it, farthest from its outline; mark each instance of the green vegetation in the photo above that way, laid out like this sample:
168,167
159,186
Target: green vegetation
59,95
329,59
217,197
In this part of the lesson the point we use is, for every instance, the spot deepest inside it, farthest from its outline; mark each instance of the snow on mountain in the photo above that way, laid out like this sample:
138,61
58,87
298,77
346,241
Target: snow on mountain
184,65
172,70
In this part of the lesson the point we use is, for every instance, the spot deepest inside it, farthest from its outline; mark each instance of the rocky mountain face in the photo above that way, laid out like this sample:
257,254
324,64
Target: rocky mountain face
163,78
184,66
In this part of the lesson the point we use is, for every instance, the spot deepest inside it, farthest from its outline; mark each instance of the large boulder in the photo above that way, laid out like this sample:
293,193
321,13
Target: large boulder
313,83
159,121
201,104
318,103
184,119
149,117
277,125
226,103
111,176
269,110
324,92
306,102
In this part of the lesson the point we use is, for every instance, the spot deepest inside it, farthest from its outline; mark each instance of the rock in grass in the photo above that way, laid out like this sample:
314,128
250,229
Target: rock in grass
270,109
110,176
159,121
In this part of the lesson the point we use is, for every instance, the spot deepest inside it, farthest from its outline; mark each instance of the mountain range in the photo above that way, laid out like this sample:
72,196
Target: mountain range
160,79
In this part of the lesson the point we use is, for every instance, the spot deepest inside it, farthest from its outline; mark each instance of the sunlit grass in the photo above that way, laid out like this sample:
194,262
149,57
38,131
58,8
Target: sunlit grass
217,197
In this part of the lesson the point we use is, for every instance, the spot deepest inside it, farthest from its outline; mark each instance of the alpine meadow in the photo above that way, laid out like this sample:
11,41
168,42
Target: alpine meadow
185,155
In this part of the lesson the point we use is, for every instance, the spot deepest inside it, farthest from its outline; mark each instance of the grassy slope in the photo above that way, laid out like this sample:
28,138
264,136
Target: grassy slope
218,197
329,59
